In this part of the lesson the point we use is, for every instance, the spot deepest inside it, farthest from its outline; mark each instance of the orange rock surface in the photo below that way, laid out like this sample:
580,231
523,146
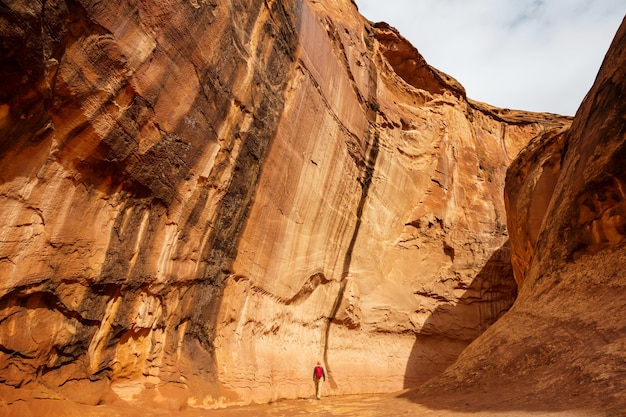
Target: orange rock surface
561,345
201,199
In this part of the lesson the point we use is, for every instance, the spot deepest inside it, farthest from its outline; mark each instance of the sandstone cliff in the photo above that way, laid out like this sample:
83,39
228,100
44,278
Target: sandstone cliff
200,199
561,345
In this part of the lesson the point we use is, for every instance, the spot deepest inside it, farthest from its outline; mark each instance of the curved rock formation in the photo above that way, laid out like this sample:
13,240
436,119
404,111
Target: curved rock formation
201,199
561,345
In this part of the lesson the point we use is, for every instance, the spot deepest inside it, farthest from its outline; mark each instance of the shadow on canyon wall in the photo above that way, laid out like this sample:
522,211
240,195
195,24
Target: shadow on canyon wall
451,328
534,384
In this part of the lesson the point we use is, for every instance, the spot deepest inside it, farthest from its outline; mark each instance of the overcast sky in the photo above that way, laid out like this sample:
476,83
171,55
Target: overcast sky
540,55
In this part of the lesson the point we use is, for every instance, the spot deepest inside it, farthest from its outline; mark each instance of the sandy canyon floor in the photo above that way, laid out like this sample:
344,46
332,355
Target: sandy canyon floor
377,405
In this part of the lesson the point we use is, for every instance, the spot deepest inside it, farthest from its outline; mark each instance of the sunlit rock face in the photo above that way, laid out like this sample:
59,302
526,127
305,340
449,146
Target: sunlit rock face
201,199
562,342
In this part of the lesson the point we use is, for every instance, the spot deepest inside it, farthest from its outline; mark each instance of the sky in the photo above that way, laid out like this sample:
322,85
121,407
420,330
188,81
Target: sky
537,55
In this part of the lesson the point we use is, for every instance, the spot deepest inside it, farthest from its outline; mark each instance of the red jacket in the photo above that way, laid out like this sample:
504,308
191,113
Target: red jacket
318,373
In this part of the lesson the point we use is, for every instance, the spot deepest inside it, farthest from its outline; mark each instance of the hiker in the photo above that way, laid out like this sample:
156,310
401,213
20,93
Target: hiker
318,374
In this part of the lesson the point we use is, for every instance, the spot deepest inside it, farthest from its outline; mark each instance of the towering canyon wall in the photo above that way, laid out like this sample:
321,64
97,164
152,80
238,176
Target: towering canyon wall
201,199
561,345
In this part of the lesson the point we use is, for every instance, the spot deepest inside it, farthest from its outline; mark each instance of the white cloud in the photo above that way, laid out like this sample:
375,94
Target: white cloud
540,55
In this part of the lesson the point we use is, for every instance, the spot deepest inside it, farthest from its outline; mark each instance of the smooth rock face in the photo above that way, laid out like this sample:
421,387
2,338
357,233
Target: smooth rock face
529,188
201,199
562,343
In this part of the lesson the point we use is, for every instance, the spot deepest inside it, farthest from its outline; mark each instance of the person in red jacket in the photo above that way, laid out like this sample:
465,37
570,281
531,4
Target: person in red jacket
318,374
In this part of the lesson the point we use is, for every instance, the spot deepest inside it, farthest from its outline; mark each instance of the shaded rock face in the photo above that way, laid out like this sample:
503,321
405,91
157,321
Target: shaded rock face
561,345
201,199
529,188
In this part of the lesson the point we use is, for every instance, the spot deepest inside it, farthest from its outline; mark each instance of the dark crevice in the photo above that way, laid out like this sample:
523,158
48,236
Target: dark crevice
309,286
14,353
369,165
366,182
50,301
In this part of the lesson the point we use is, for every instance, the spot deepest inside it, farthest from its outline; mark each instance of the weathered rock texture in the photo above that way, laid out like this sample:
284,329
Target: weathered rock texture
200,199
562,343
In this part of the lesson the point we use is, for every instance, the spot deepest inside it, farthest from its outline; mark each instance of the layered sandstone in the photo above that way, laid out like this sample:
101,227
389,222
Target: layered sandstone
561,345
201,199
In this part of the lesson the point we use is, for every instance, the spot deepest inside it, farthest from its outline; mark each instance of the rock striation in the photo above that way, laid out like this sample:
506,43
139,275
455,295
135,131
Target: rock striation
561,345
201,199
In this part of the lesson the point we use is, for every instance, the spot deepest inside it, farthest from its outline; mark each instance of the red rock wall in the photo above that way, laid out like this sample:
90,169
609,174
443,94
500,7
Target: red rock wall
202,199
560,347
529,188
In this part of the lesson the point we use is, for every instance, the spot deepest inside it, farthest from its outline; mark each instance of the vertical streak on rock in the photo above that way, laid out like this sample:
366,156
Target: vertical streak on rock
234,207
369,164
98,341
147,182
